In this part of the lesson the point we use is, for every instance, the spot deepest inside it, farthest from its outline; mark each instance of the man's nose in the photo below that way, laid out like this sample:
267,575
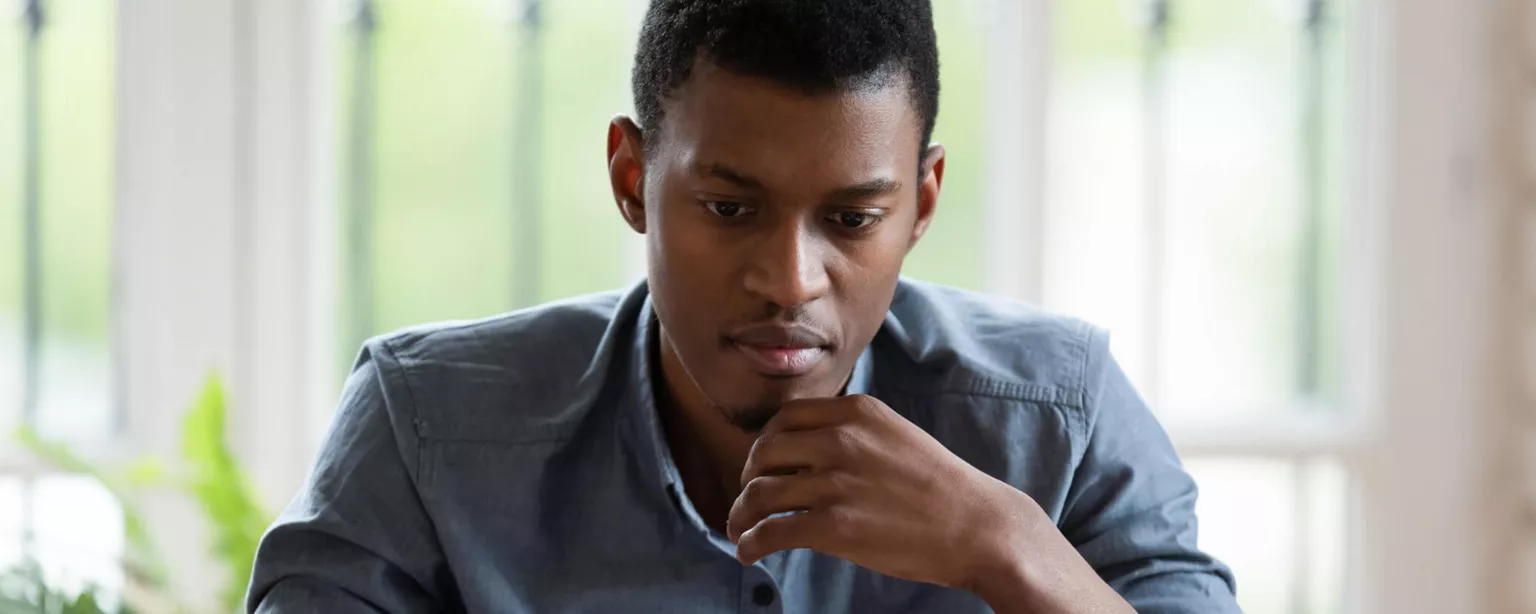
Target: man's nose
789,269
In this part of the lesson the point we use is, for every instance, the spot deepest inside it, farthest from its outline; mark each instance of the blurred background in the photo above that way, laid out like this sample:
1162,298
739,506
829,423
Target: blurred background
1307,223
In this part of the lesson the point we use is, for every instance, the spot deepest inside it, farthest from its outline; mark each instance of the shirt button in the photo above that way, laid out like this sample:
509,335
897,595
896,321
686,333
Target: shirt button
762,595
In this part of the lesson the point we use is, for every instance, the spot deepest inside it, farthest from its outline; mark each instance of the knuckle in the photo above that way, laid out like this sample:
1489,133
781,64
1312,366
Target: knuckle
753,490
834,485
843,440
839,522
865,404
758,489
764,441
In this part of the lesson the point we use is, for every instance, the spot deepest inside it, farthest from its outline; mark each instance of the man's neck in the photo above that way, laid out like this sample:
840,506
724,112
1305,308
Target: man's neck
708,450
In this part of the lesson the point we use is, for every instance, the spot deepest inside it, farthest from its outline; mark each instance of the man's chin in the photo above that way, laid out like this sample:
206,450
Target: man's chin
751,412
750,419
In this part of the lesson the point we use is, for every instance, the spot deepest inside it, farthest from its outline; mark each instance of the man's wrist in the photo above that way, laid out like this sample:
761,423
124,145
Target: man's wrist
1002,574
1030,566
1006,587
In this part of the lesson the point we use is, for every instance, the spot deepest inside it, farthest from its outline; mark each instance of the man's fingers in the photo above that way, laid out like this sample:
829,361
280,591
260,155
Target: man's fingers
796,451
810,529
777,494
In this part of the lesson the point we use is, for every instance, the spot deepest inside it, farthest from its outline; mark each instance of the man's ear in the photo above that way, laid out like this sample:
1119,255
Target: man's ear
928,191
626,169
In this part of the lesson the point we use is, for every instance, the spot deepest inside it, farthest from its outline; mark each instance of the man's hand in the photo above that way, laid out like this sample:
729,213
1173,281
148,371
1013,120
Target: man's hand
851,478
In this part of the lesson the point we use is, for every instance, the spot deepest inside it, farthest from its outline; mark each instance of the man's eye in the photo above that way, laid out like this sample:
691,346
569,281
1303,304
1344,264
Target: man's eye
854,220
726,209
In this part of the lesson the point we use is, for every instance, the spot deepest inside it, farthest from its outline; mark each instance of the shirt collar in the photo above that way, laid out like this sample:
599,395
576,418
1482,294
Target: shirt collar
653,442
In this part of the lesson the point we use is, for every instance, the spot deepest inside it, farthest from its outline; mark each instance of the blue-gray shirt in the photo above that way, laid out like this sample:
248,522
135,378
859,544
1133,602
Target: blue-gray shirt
515,464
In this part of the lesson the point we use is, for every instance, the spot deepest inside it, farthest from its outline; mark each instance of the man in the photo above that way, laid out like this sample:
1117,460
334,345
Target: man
775,421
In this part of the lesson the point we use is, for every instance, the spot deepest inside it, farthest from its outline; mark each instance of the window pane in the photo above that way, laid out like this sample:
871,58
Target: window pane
441,235
1240,262
78,528
455,93
952,251
1095,179
11,261
1281,526
74,226
589,49
10,521
439,180
1224,301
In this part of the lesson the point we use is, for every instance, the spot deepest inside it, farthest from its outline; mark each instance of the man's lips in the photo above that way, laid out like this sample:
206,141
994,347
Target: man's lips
783,361
781,350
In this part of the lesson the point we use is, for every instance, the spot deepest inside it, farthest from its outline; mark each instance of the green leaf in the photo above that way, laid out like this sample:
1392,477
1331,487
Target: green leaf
141,546
84,603
212,476
24,588
55,454
223,491
146,471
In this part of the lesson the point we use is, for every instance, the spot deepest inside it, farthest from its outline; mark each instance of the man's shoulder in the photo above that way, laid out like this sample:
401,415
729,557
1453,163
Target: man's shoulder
960,341
505,377
546,332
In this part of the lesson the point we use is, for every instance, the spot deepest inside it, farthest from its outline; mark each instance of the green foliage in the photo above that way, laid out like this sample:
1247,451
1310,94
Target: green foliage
222,489
209,473
143,560
25,590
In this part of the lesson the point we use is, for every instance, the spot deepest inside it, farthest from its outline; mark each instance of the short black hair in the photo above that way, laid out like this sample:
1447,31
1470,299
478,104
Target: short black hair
816,46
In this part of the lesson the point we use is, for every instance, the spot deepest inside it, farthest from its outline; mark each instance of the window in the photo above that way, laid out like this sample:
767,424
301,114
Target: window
1194,195
950,252
1282,525
470,142
55,282
463,149
1182,172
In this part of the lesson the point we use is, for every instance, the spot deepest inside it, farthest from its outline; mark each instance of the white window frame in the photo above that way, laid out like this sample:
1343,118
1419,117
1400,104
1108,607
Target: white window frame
224,233
220,256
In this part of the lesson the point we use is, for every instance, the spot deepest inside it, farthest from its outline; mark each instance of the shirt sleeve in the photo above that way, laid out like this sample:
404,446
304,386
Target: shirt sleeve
356,538
1131,507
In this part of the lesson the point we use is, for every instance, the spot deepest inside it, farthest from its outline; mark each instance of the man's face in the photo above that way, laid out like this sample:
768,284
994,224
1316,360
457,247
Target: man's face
776,226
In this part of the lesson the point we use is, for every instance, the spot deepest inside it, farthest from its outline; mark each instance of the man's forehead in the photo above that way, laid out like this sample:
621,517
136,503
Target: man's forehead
755,126
852,189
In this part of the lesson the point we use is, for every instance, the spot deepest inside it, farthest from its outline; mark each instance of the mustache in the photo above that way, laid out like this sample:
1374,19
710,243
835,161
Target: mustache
780,327
778,334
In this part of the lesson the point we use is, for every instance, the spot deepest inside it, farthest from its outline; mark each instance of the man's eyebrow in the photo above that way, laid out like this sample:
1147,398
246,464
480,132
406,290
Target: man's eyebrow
861,191
726,173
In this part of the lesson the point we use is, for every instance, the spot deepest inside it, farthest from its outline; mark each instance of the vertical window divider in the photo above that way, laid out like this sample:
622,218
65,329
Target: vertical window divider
360,173
527,140
1157,18
1303,474
1311,129
31,206
1310,116
31,231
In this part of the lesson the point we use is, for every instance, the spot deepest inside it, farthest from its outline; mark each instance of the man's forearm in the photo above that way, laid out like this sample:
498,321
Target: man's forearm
1019,592
1039,572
